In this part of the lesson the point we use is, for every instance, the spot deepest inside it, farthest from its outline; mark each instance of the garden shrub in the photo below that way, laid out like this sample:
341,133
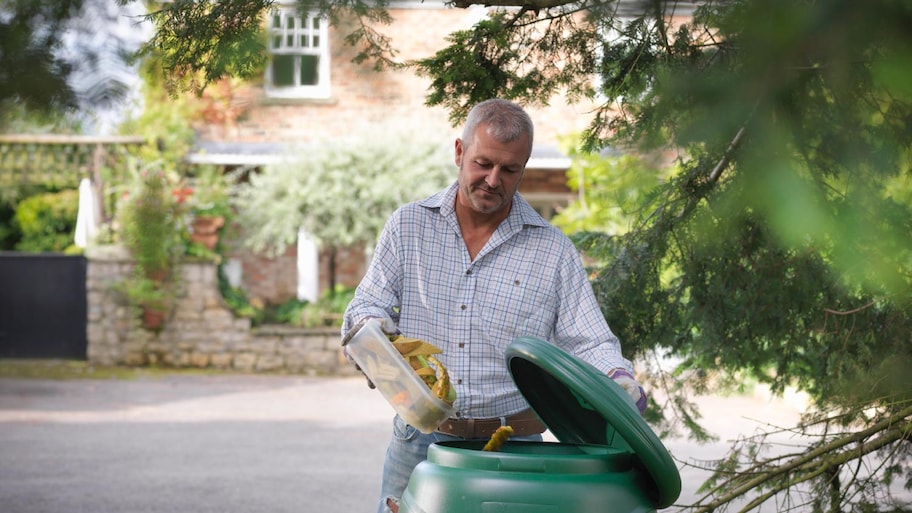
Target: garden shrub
47,222
9,231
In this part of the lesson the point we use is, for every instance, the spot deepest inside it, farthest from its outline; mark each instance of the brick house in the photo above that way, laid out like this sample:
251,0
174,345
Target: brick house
311,87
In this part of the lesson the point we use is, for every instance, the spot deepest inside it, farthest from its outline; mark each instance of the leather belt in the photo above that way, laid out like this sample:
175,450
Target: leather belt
524,423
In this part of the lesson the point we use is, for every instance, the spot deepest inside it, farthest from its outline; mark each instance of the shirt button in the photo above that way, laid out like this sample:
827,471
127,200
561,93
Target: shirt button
468,272
461,345
463,307
458,381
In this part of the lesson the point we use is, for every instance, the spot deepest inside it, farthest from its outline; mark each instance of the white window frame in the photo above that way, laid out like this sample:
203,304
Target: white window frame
303,29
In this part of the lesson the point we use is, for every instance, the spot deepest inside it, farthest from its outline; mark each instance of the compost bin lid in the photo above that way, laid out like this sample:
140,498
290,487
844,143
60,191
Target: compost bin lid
580,404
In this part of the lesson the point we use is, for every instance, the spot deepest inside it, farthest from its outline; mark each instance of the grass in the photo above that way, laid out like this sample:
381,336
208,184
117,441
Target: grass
80,369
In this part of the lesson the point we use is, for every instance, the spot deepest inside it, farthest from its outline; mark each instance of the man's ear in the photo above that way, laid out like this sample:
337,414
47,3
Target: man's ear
458,153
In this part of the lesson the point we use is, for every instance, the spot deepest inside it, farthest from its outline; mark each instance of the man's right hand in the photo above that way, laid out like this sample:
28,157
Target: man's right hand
386,325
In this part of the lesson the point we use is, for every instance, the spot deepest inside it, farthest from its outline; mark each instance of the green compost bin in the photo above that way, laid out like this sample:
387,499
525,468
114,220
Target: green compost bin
607,460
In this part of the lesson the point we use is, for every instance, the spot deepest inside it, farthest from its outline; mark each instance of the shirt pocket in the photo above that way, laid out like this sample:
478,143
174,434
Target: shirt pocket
519,300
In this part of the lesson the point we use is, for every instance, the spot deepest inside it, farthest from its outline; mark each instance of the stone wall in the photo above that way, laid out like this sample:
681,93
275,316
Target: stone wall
201,332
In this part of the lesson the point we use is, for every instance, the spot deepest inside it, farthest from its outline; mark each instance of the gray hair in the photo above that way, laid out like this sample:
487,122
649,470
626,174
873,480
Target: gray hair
506,121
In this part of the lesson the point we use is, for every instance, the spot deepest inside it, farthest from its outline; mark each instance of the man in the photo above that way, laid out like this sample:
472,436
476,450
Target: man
470,269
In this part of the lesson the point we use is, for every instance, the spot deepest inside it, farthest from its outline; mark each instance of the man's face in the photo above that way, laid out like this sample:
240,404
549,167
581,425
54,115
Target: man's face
490,171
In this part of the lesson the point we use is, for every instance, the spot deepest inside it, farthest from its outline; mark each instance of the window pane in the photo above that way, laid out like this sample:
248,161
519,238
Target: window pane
283,70
309,69
296,47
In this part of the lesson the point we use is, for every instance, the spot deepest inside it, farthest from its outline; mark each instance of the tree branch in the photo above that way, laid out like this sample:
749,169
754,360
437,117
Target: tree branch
850,312
726,157
530,5
816,462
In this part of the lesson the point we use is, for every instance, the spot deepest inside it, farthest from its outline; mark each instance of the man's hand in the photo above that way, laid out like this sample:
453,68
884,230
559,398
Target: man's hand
630,385
386,325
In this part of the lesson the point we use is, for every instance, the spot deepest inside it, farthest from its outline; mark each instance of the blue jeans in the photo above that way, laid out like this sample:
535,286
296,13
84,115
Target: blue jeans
408,447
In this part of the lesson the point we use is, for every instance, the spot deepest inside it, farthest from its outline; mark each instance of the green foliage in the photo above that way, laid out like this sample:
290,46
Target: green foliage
148,294
493,58
209,192
484,62
10,234
328,310
198,42
30,36
198,251
341,191
364,19
164,121
787,218
47,221
54,71
19,119
152,229
612,191
151,224
237,301
288,312
780,250
144,292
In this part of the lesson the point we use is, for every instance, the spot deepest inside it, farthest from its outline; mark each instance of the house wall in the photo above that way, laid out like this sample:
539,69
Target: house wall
363,99
273,279
268,279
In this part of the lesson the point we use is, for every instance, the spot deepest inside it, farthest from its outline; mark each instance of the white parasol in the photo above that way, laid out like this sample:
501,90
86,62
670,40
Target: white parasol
86,224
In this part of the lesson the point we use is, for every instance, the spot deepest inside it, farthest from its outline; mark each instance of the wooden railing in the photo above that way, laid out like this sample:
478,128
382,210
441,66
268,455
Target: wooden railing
60,160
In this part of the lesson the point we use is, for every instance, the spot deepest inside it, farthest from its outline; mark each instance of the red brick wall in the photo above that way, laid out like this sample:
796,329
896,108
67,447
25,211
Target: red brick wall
269,280
351,264
361,97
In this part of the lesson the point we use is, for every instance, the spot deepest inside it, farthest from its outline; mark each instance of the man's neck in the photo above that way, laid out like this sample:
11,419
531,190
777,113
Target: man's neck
477,227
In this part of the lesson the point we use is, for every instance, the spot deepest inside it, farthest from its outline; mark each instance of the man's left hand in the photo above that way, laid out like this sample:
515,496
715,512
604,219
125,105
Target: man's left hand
631,386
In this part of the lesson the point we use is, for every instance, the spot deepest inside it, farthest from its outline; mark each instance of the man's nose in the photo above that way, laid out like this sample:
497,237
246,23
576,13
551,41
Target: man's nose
493,178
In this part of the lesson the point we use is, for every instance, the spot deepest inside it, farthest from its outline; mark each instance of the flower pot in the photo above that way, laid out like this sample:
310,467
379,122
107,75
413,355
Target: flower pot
204,230
157,276
153,318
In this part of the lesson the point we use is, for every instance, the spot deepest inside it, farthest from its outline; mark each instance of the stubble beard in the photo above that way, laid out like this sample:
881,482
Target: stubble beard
482,206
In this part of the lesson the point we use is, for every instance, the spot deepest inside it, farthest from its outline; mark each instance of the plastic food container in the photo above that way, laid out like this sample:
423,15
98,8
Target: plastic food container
607,459
406,392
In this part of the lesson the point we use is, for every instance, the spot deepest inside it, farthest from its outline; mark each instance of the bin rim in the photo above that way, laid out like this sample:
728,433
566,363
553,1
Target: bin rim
580,404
